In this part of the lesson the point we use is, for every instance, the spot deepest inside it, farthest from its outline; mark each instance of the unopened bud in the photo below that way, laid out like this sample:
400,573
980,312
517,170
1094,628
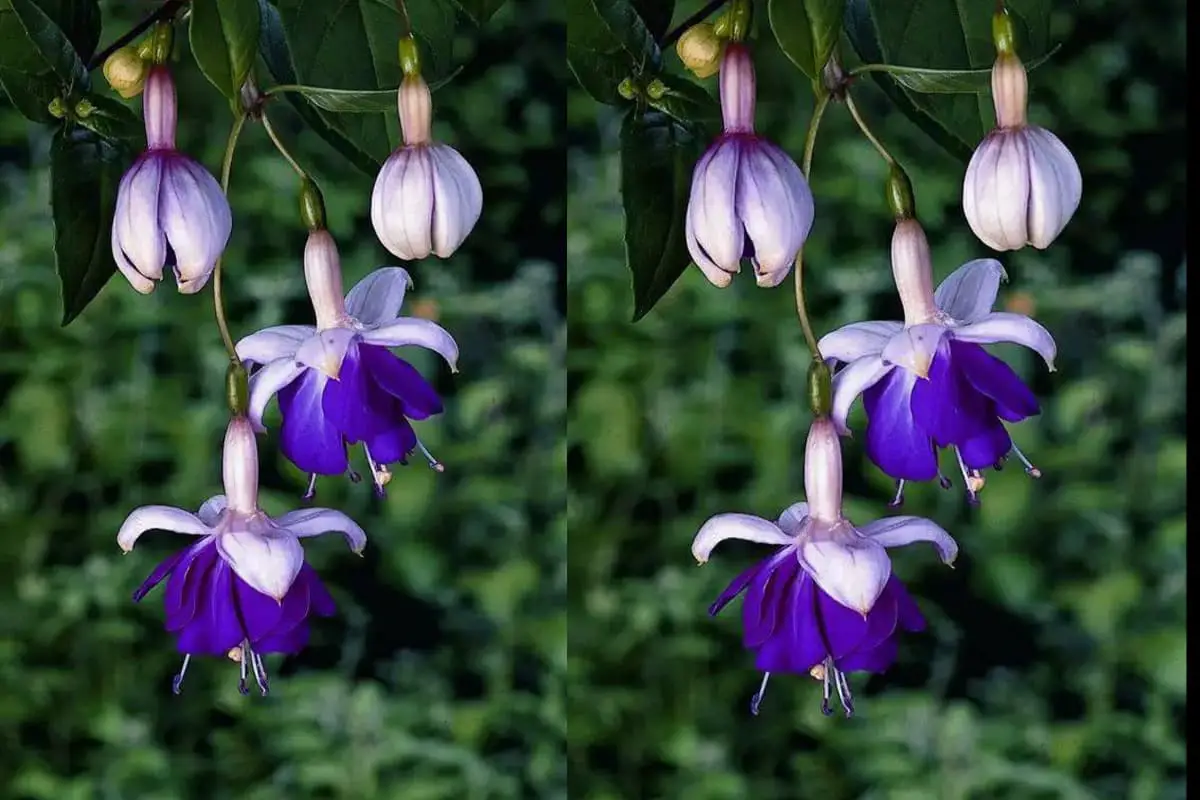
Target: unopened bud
820,388
656,89
699,48
1003,35
312,205
626,89
57,108
237,388
410,57
125,70
84,108
899,193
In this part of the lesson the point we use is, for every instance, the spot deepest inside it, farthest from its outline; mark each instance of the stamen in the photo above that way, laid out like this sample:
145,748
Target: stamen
825,677
353,476
433,462
376,471
971,477
260,674
177,681
243,666
843,688
312,488
943,481
756,700
1030,469
999,465
898,500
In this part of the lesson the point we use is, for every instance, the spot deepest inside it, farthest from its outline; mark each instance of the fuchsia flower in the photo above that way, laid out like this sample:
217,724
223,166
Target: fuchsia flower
748,198
926,382
243,590
827,602
170,210
338,382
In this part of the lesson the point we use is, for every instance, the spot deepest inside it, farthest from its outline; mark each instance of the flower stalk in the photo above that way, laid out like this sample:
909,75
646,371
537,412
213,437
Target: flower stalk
218,298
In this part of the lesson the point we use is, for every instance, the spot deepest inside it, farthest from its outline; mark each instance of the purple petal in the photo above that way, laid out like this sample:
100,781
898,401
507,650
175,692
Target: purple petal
215,629
877,660
908,614
390,446
894,442
307,438
257,613
986,448
842,628
736,587
185,596
881,621
945,405
289,642
346,402
765,606
160,572
996,380
401,380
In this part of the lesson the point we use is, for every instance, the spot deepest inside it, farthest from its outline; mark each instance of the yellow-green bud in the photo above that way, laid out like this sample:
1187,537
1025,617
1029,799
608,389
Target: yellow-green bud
627,89
700,48
125,70
57,108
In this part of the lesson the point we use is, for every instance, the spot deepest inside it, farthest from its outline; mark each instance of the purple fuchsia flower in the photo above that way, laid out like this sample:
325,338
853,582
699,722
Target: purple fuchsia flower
170,210
927,382
748,198
338,382
827,602
243,590
427,198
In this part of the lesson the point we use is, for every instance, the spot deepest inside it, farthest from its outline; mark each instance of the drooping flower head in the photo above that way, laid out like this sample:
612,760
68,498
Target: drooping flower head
170,210
1022,185
427,198
243,590
826,603
338,382
927,382
748,197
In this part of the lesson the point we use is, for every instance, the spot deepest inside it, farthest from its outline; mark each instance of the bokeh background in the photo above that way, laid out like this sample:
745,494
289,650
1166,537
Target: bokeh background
1054,661
443,674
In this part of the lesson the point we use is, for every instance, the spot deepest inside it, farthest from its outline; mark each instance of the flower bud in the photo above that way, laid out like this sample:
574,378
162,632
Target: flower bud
239,466
912,270
323,276
699,48
126,71
823,471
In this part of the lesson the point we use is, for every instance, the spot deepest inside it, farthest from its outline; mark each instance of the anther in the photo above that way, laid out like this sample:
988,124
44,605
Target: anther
825,677
353,476
177,681
311,492
1030,469
243,660
260,674
756,700
843,688
973,480
944,482
433,462
898,500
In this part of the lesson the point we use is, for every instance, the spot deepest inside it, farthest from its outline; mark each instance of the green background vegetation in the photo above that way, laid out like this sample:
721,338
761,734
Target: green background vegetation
443,674
1054,661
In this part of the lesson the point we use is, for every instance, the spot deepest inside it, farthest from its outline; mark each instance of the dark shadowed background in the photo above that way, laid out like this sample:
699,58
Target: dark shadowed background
1054,661
443,673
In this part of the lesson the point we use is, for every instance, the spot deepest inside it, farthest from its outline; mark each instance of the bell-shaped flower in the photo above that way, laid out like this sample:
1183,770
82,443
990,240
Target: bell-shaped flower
243,589
748,197
1022,185
826,603
170,210
927,382
427,198
338,382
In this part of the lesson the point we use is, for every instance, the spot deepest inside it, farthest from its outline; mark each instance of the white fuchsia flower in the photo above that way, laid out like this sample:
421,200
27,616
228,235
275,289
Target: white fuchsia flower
170,210
244,589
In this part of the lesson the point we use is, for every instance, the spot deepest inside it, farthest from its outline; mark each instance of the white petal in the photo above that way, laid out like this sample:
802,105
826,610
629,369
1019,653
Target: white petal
774,205
265,383
377,298
1055,186
913,348
851,569
897,531
402,203
996,191
851,381
136,279
159,518
736,526
792,518
269,562
1002,326
716,276
418,332
316,521
196,220
211,509
852,342
457,199
266,345
326,351
712,207
969,292
138,229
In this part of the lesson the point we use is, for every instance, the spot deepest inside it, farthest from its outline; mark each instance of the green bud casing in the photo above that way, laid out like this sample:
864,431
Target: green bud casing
820,388
237,388
900,193
312,205
410,57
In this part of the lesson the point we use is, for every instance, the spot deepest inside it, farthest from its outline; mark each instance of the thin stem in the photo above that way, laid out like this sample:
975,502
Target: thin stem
403,9
862,126
701,15
283,151
810,143
218,302
164,11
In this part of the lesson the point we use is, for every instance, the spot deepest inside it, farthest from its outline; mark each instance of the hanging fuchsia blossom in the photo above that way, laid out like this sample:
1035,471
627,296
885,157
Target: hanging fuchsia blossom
170,211
748,198
243,590
338,382
926,382
827,602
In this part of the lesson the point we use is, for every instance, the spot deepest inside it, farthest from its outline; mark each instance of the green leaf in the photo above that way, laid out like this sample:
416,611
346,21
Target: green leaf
656,14
946,81
224,39
629,30
807,31
112,119
34,43
30,94
945,35
85,171
349,101
599,73
480,11
658,153
277,55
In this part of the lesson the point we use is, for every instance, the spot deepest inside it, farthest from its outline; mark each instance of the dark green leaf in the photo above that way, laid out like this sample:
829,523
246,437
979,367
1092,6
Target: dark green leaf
943,34
599,73
688,102
33,43
349,101
480,11
224,40
807,31
947,81
30,94
658,153
656,14
629,30
111,119
276,53
79,20
85,170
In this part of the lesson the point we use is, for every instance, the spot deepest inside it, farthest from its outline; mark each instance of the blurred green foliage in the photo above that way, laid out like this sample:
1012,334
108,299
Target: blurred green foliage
443,674
1054,661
